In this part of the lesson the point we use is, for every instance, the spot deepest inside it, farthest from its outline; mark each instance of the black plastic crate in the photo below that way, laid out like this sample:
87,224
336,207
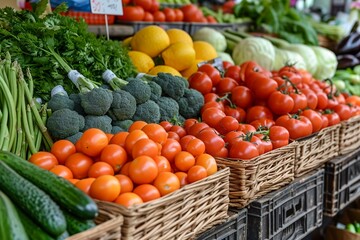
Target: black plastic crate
291,212
342,182
233,229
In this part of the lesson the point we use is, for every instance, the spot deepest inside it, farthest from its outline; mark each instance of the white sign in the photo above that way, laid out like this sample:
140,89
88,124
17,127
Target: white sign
110,7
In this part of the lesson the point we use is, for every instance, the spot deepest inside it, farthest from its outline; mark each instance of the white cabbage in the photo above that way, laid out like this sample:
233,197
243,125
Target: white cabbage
225,57
255,49
286,57
327,63
212,36
307,54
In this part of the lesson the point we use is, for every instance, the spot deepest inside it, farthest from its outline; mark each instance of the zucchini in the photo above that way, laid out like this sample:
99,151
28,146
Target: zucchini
11,227
33,231
61,190
32,200
75,225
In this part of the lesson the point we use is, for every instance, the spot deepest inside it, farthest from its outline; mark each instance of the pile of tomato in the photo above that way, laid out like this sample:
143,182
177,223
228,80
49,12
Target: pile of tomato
254,110
144,163
150,11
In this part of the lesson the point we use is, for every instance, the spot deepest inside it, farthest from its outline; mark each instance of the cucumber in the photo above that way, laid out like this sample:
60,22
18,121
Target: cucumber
75,225
32,200
33,231
61,190
11,227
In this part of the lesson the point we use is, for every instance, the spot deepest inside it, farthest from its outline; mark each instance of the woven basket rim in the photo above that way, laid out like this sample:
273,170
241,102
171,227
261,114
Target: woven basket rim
170,197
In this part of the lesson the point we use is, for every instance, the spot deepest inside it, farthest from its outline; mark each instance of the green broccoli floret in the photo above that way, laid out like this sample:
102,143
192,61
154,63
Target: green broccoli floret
97,101
116,129
123,106
124,124
60,101
156,90
139,89
64,123
100,122
184,80
169,108
148,112
191,103
171,86
77,103
74,138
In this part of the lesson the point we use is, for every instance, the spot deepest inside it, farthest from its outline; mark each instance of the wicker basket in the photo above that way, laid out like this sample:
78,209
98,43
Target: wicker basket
349,140
182,214
108,227
312,152
250,179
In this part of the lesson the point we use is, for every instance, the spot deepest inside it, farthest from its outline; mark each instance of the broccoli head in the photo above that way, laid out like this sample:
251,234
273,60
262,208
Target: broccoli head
139,89
169,108
123,106
124,124
97,101
77,103
191,103
116,129
74,138
171,86
100,122
156,91
60,101
148,112
64,123
184,80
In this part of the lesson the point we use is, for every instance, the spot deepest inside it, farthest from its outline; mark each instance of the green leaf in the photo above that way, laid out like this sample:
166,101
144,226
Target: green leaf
61,8
40,7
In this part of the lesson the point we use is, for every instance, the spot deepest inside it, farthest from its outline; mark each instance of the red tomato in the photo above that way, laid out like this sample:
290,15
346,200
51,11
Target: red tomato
234,73
262,86
159,16
189,123
279,136
211,19
243,150
322,99
212,72
155,6
258,112
210,97
298,126
280,103
191,12
314,117
62,149
300,102
92,142
332,117
148,17
242,96
312,99
227,124
170,15
179,15
344,111
246,128
197,127
201,82
263,123
290,73
247,68
228,6
143,169
212,104
232,137
145,4
226,85
212,116
132,13
238,113
227,64
44,160
213,142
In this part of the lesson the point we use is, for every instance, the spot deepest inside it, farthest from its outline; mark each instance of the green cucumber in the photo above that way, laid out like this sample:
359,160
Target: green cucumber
32,200
33,231
75,225
61,190
11,227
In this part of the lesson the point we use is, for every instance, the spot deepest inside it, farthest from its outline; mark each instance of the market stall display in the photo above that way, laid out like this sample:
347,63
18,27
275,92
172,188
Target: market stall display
188,128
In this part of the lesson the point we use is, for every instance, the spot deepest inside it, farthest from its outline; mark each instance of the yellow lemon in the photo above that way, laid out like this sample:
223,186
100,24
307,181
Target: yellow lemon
204,50
151,40
192,69
165,69
126,42
142,61
178,35
179,55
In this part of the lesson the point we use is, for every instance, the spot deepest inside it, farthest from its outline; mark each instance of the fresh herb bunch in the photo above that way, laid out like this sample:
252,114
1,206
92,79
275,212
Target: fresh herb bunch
277,16
30,37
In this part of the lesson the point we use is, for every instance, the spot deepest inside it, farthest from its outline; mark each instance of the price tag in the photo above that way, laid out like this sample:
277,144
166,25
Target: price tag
216,62
109,7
